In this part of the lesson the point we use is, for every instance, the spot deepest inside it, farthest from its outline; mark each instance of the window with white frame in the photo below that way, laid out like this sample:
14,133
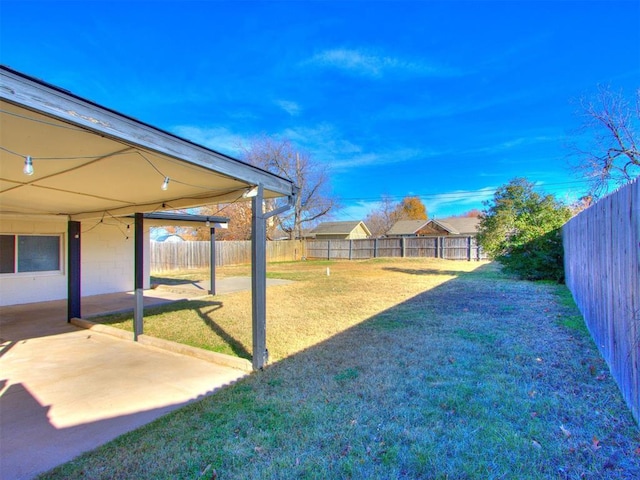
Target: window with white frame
30,253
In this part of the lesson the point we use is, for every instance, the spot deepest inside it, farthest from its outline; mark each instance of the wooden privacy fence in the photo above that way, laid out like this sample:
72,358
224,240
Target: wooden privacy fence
450,248
188,255
602,269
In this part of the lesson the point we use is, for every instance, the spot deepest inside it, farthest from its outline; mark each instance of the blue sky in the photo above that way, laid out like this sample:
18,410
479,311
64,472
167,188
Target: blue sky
444,100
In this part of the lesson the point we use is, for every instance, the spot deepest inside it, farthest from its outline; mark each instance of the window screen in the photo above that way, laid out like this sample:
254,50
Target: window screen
38,253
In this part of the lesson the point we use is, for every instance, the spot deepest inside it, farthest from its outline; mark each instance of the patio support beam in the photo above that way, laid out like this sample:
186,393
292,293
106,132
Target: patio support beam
74,309
212,262
138,309
259,280
259,272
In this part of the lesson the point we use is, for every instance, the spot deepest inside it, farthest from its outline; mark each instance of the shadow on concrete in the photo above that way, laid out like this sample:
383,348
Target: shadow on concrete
66,390
31,444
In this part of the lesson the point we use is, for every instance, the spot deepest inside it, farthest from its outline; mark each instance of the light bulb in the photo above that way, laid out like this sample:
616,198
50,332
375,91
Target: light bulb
208,223
28,166
165,184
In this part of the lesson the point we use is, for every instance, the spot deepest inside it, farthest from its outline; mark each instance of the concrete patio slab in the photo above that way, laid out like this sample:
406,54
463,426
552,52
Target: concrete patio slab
66,390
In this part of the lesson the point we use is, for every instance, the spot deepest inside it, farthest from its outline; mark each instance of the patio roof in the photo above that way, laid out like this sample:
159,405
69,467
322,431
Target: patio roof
88,160
62,155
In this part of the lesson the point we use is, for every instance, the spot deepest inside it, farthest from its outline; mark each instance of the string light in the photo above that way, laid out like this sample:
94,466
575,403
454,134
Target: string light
28,166
165,184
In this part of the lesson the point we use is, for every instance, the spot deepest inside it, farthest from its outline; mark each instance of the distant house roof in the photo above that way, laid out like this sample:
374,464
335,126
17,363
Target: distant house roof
169,238
278,234
406,227
452,225
338,228
459,225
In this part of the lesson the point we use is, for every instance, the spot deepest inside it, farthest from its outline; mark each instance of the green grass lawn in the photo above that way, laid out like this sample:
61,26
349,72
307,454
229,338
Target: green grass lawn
409,368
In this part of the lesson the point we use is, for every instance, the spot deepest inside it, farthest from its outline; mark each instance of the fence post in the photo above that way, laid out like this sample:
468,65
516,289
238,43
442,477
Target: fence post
468,249
328,249
403,247
350,248
375,248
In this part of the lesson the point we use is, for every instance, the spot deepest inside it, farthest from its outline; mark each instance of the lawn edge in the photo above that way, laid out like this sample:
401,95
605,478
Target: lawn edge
175,347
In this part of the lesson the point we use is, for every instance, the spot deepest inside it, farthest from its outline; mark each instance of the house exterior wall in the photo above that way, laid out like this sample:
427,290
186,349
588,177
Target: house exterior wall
358,233
432,230
35,286
331,236
107,258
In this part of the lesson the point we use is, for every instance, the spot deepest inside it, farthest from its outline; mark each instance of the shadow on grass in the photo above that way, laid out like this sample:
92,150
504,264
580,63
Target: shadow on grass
176,281
235,345
475,378
425,271
202,308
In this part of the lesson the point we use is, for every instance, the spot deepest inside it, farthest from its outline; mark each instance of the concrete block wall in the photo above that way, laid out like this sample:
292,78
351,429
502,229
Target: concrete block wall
107,260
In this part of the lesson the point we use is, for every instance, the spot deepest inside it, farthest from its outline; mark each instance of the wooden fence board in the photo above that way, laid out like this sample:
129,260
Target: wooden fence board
192,255
602,270
451,248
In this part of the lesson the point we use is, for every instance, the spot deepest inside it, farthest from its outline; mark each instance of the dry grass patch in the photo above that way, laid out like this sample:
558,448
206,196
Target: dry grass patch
299,315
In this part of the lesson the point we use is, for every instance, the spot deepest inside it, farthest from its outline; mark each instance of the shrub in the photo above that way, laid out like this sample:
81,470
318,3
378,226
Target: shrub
521,229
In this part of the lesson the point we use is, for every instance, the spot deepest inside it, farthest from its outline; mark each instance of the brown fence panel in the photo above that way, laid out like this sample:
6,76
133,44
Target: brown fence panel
389,247
318,249
363,249
192,255
602,270
456,248
178,256
451,248
426,247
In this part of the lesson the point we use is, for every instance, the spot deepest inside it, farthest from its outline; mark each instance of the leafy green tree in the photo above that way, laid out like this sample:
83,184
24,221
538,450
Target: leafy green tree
521,229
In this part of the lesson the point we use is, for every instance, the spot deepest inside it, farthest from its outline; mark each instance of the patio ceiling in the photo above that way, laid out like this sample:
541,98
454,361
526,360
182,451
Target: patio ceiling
89,161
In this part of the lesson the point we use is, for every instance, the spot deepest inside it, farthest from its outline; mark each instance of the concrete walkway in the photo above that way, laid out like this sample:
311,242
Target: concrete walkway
66,390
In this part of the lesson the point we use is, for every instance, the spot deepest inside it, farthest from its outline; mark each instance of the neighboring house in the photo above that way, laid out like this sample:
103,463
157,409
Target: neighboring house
407,228
168,238
452,226
278,234
341,231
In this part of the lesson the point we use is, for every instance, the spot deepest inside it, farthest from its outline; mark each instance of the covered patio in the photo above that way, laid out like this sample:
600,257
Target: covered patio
68,161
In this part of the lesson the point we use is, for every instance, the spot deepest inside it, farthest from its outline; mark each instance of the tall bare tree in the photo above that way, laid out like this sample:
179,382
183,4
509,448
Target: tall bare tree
314,199
380,220
610,153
